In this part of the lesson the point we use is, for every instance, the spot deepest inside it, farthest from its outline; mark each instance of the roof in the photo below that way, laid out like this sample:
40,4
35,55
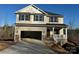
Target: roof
44,12
39,9
50,13
40,25
32,5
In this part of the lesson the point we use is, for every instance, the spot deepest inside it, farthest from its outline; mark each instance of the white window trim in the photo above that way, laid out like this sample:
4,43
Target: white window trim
53,20
38,18
24,18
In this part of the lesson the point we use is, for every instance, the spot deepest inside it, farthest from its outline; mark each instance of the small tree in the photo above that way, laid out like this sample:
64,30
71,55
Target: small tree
7,32
71,27
71,24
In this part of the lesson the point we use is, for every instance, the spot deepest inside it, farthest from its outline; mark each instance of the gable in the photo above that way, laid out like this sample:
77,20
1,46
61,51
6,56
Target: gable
29,9
34,9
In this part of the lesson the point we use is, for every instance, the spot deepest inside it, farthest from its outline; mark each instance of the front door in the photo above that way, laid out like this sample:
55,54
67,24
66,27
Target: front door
48,32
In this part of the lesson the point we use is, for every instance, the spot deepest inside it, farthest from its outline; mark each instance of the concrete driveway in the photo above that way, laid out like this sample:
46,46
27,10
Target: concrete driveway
27,48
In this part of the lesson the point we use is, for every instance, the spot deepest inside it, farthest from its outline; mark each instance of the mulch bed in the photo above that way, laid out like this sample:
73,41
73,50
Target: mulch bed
6,44
56,47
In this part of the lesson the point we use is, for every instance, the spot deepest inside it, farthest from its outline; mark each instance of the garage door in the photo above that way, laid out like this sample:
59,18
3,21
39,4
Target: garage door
31,34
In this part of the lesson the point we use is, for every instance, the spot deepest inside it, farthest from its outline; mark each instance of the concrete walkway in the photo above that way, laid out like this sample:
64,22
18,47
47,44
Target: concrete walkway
27,48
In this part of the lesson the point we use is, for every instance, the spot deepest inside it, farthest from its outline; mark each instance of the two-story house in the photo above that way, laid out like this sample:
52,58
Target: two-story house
33,22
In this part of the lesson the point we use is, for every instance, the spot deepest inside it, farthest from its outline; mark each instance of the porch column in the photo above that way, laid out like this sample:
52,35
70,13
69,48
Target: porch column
52,32
66,32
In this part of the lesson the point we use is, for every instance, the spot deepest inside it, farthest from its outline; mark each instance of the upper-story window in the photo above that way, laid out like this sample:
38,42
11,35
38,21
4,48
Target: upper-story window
38,17
21,16
24,17
53,19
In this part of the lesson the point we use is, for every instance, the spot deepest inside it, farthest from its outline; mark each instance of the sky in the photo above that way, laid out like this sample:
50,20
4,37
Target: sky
69,11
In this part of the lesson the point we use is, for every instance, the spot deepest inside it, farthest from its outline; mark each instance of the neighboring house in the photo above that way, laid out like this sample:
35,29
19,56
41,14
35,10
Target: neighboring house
33,22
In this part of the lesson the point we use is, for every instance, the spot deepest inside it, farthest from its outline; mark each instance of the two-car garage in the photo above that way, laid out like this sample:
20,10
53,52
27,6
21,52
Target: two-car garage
25,33
31,34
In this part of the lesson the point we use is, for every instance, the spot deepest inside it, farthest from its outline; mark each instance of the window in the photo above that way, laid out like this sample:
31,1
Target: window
24,17
38,17
53,19
21,17
27,16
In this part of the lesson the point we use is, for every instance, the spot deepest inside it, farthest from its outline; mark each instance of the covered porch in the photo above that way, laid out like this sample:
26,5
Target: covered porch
57,33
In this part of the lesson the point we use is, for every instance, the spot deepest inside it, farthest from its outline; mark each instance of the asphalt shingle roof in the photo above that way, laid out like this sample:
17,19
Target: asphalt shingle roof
50,13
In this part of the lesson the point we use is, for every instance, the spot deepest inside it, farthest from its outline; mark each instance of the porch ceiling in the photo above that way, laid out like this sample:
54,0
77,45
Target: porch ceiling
40,25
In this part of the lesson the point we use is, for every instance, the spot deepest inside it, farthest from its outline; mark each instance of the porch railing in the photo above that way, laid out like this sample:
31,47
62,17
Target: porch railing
57,36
